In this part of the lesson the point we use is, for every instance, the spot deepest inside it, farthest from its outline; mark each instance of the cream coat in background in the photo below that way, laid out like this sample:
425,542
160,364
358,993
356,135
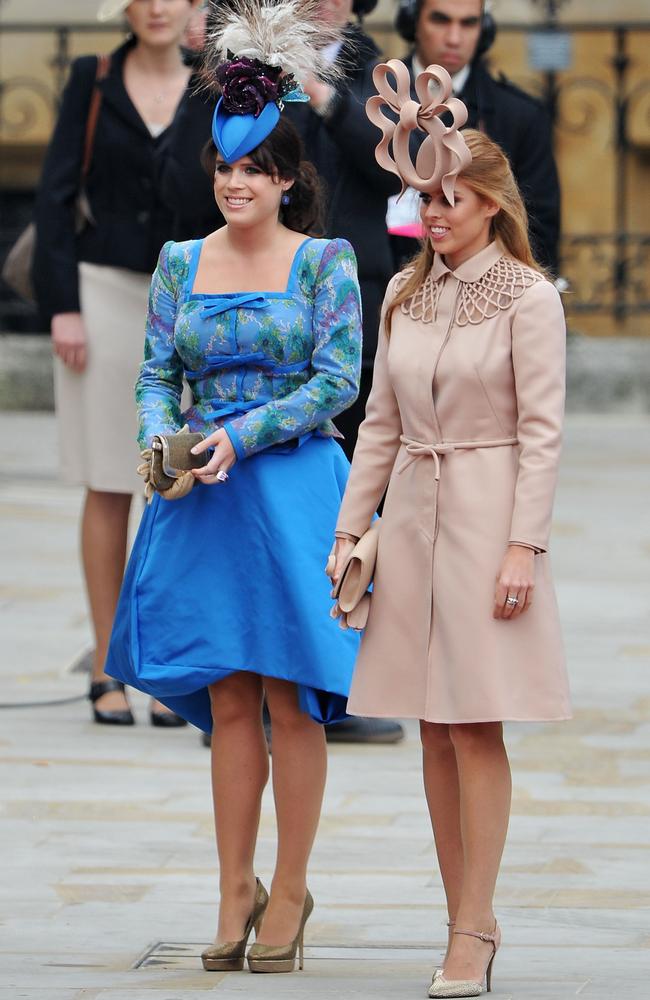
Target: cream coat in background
464,424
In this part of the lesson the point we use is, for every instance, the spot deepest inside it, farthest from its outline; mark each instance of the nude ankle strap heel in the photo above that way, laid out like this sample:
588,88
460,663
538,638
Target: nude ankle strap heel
441,987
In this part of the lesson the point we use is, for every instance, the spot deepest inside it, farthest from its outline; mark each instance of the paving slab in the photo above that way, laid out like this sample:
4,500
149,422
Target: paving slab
109,885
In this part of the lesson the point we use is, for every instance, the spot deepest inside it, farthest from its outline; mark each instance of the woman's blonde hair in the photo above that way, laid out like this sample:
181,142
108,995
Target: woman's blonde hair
489,175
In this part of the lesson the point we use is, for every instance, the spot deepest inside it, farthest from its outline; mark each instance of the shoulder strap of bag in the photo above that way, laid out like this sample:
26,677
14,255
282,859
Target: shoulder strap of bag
103,67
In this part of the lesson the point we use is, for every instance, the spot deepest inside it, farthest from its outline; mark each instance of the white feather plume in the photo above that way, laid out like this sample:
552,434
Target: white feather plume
285,33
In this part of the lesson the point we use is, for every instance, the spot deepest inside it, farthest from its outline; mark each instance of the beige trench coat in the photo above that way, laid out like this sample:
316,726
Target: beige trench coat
464,425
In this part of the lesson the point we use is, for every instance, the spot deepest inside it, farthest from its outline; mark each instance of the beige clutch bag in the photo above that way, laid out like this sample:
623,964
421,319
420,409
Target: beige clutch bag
171,456
351,591
167,464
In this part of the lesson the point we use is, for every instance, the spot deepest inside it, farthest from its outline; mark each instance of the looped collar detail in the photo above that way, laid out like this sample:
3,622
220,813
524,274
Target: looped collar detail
489,282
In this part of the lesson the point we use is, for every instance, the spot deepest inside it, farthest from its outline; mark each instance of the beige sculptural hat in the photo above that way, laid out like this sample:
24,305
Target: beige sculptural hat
111,8
444,152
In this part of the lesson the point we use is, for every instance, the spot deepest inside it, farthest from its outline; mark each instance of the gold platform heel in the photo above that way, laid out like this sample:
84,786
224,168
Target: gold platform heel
441,987
229,957
282,958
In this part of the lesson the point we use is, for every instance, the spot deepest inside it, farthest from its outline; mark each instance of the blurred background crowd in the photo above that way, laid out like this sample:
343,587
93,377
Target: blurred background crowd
585,60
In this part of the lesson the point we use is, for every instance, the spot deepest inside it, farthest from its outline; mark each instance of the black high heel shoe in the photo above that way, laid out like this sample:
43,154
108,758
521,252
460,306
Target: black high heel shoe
114,717
166,720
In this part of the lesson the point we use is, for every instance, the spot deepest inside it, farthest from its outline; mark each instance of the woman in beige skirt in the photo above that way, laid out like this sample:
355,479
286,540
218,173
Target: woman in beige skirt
93,287
463,425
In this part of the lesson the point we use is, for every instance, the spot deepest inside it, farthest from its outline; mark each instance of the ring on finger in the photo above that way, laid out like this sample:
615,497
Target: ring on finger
512,600
221,476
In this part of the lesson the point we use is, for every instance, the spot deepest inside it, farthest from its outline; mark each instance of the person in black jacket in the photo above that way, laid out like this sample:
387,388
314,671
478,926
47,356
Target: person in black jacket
92,288
340,141
456,34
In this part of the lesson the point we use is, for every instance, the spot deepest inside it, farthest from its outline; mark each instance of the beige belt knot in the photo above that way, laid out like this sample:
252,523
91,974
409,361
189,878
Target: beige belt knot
420,449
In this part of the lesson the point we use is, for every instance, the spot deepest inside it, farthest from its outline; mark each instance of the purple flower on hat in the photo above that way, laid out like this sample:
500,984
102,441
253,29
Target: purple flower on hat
247,85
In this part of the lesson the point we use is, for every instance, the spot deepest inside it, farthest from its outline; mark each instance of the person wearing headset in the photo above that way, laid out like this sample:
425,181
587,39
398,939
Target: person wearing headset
340,142
457,34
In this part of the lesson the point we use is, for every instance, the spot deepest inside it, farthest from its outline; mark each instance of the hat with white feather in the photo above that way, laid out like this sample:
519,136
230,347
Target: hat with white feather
258,54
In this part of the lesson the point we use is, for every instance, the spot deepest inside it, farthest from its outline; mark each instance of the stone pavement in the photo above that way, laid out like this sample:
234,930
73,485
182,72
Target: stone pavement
109,884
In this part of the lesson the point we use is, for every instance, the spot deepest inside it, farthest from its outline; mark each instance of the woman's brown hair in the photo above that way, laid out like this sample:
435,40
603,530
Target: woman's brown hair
490,176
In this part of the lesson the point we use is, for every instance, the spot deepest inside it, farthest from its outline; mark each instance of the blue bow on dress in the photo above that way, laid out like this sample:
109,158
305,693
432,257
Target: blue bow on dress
218,304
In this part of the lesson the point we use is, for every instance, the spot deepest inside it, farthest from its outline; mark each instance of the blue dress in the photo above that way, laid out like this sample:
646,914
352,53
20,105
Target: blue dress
231,577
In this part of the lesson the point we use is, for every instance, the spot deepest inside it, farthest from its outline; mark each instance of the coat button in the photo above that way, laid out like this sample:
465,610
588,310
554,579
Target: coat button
143,217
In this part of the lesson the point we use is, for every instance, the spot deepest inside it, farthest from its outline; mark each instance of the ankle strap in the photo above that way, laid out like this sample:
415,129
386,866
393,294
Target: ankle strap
481,935
100,688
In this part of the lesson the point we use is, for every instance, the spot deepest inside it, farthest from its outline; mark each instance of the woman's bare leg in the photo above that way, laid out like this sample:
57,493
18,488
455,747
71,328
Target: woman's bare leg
440,772
299,772
485,792
104,531
240,770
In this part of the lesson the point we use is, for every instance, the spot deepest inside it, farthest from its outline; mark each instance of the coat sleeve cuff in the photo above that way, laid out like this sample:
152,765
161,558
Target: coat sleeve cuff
348,529
538,549
50,306
235,441
346,534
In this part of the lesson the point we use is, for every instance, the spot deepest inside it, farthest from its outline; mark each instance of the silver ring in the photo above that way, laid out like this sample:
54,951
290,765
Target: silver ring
512,601
222,476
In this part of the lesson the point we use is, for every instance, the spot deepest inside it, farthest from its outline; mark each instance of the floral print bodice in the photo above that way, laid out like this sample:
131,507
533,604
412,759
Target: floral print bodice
268,367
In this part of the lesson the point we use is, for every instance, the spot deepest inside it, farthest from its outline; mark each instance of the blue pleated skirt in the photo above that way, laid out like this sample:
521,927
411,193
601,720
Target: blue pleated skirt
231,578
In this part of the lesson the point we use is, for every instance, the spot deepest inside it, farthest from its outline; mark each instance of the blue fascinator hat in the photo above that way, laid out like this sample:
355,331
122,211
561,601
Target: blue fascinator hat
252,96
257,54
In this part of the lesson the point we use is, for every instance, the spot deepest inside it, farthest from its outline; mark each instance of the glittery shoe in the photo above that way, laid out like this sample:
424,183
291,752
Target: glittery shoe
281,958
229,957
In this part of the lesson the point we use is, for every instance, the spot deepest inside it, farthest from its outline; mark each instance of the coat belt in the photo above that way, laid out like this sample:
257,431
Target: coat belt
420,449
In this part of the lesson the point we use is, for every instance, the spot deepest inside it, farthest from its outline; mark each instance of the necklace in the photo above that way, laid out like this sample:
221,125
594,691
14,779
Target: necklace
160,94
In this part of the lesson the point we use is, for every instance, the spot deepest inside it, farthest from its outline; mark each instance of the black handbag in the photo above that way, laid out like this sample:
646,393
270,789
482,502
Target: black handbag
17,268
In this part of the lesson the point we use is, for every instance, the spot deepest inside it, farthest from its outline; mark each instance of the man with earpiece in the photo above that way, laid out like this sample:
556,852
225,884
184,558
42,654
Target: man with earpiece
457,34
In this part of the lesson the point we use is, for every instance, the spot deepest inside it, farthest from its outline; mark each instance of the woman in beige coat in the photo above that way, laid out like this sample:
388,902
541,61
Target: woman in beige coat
463,425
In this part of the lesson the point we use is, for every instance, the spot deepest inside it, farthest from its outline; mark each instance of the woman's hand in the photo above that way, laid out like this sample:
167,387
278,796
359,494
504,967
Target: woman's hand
221,462
338,561
319,93
516,579
69,340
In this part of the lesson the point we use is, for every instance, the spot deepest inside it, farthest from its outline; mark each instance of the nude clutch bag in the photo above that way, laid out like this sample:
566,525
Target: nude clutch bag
351,592
171,456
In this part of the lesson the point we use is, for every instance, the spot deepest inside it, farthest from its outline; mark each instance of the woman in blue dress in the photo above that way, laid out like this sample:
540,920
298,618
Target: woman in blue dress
225,600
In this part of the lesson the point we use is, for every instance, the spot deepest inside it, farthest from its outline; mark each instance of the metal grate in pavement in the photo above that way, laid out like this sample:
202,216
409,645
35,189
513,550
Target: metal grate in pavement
174,953
186,955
